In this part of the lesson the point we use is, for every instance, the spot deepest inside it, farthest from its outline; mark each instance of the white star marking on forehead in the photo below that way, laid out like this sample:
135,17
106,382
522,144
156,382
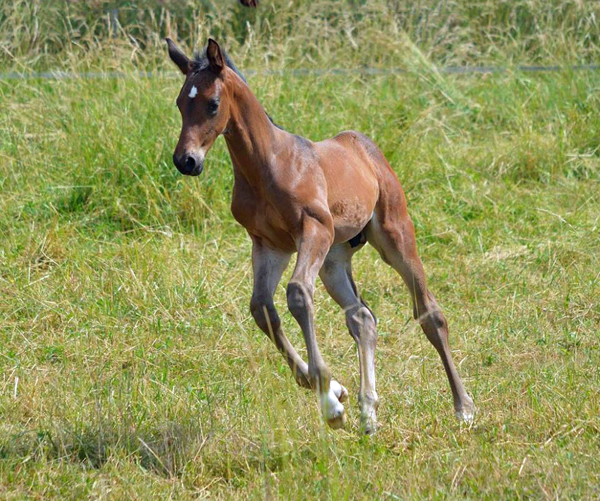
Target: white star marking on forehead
193,93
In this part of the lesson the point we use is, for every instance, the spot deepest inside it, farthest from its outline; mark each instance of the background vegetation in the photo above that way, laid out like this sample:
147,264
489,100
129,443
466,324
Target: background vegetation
62,33
129,364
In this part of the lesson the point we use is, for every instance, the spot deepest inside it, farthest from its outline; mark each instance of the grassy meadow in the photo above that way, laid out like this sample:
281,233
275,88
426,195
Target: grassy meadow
130,366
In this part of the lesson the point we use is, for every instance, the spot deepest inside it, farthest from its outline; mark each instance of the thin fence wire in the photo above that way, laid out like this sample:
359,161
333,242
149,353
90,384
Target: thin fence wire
452,70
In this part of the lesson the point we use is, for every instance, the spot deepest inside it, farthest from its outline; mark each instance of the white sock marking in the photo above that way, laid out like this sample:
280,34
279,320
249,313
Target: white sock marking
336,388
330,405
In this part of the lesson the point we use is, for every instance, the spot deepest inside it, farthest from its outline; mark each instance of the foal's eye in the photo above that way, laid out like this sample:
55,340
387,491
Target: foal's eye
213,106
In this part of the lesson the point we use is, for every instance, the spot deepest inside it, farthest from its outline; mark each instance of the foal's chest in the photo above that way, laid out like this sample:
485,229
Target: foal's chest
259,217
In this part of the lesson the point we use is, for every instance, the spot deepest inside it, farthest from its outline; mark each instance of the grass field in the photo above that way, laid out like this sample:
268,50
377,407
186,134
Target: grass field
130,366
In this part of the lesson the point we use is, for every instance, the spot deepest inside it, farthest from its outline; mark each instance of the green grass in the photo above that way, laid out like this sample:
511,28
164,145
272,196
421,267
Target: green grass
130,366
42,34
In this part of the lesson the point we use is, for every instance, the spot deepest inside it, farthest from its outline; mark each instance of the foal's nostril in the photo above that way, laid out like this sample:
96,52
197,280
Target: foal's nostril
190,163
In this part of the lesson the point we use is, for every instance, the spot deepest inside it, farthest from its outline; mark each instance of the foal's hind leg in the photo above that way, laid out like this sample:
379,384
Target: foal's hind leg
268,266
336,275
391,232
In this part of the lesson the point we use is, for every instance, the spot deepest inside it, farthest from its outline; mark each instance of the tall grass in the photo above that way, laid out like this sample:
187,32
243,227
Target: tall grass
58,33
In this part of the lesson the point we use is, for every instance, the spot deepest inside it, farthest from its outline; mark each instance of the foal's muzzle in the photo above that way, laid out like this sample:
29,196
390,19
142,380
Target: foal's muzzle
189,164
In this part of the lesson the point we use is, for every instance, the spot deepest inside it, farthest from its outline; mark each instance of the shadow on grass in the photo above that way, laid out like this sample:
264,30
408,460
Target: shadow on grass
164,450
168,449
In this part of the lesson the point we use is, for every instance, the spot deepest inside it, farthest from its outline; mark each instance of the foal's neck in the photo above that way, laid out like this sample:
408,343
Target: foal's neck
252,139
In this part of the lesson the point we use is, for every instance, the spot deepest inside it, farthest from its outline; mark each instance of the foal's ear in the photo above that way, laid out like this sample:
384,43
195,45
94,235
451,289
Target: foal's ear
215,57
178,57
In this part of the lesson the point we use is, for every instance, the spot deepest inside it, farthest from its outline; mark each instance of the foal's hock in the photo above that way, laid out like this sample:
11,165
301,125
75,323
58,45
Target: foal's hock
324,200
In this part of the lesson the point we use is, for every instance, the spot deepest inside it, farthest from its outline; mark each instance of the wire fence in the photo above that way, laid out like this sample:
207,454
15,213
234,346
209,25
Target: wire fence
451,70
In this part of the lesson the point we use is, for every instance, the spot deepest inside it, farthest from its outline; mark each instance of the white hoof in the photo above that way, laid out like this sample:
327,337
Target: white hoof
331,408
467,412
466,416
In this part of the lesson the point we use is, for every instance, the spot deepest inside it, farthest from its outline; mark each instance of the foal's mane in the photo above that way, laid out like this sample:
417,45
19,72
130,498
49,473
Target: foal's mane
200,62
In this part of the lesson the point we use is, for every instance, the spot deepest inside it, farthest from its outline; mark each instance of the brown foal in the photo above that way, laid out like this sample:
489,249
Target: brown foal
324,200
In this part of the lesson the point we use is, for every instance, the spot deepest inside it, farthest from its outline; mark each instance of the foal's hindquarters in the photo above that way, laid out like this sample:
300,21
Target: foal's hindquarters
390,230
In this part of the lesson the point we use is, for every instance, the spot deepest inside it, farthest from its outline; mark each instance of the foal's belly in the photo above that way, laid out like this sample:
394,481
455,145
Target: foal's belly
349,219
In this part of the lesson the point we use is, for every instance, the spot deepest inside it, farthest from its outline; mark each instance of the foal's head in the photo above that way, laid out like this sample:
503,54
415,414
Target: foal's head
203,101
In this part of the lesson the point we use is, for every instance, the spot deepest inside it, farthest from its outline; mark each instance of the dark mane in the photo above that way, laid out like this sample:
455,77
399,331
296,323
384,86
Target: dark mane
200,62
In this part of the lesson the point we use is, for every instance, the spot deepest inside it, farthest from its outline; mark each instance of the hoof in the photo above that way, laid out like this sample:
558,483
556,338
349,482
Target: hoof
339,391
331,408
466,416
466,413
368,422
337,422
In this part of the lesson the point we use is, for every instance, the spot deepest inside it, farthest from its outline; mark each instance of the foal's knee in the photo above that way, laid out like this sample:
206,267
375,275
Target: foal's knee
299,299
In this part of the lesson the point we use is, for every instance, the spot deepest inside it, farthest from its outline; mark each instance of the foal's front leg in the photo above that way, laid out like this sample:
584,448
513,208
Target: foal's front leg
314,245
268,265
